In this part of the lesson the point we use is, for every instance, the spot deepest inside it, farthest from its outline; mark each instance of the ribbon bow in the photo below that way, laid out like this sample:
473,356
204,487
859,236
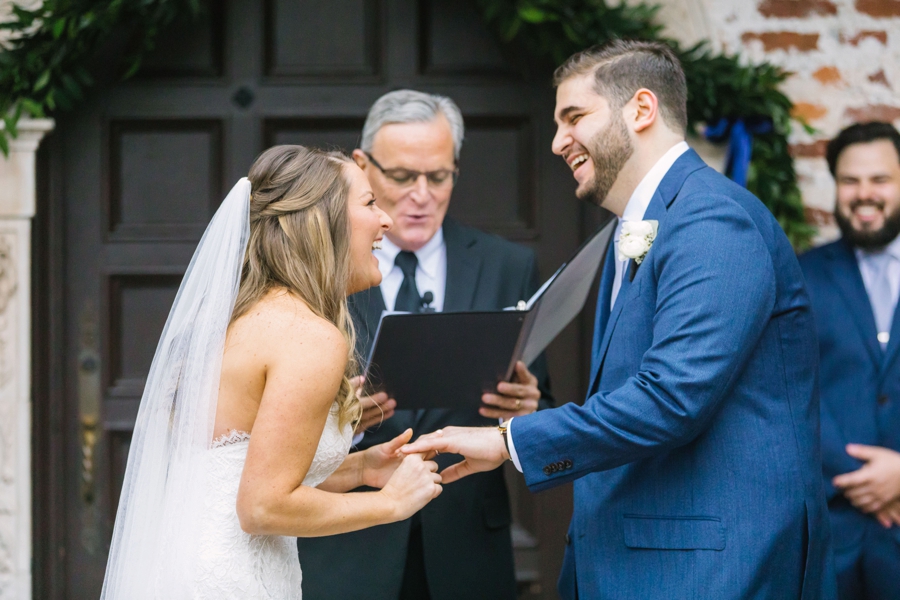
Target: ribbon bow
740,134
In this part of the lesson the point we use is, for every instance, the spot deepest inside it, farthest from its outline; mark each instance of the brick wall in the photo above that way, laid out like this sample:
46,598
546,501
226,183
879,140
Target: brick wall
845,60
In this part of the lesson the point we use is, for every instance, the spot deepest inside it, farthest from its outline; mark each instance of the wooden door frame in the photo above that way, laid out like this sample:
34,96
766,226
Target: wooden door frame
49,416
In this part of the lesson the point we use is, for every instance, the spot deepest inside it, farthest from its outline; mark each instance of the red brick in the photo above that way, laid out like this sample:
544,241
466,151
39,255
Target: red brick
879,8
881,78
873,112
818,217
814,150
828,75
808,111
796,8
881,36
782,40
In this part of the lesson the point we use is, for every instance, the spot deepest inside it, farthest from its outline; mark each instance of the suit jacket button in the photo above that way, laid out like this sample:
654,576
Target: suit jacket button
883,399
560,466
548,470
568,463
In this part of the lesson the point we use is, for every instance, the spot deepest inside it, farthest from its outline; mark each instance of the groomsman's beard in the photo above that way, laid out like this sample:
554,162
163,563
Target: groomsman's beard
869,240
609,150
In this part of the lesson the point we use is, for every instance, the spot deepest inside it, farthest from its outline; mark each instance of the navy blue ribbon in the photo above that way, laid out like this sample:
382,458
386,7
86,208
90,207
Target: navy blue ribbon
740,134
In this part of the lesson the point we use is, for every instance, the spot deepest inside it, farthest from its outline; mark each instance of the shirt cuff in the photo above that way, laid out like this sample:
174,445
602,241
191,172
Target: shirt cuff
512,447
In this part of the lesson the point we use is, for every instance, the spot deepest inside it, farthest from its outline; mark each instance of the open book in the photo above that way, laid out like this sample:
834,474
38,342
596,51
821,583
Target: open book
449,359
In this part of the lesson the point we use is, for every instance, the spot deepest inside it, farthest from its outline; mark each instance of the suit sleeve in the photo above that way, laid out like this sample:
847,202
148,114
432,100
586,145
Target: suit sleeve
715,293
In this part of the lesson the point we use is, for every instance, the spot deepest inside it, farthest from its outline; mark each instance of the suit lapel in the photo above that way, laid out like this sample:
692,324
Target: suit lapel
663,197
893,348
463,267
849,282
365,309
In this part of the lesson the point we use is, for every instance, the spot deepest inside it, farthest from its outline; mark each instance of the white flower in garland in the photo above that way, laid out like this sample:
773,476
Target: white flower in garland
636,238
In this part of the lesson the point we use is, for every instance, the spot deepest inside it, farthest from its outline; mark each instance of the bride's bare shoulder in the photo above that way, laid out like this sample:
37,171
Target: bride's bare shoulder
284,323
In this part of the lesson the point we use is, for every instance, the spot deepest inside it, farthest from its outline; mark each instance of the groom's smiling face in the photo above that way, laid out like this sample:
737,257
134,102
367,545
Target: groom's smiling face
591,136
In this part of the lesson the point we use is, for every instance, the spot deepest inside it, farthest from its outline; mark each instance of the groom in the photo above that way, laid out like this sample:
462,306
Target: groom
695,456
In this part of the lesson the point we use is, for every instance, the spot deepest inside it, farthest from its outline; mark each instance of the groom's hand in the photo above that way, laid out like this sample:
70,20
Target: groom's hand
376,408
513,399
483,449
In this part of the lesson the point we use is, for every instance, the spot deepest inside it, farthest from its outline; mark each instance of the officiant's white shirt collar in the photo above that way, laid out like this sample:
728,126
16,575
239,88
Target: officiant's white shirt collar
431,272
634,211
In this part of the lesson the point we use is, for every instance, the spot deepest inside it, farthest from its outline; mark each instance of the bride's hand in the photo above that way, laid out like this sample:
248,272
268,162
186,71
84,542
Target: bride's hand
414,484
380,462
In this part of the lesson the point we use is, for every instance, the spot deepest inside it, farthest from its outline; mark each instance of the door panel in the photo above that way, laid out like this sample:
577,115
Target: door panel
142,165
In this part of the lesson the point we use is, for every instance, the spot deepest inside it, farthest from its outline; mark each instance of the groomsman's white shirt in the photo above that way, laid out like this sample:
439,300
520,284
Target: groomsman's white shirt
634,211
431,272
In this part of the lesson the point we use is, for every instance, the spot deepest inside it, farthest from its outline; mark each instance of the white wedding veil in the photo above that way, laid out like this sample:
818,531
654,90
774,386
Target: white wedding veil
154,540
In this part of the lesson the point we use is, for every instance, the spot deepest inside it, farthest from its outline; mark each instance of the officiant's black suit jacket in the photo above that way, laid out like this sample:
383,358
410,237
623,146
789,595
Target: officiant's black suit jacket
466,530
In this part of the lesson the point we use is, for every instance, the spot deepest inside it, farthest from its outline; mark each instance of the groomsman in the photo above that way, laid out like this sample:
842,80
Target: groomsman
854,285
459,546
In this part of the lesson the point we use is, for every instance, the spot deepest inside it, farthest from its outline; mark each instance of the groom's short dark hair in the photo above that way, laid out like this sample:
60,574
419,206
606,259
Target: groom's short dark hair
622,67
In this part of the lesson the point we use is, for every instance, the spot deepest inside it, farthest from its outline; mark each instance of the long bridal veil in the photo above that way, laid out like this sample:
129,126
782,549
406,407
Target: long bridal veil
154,541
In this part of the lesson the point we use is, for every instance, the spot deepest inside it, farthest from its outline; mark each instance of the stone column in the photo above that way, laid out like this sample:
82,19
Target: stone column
17,205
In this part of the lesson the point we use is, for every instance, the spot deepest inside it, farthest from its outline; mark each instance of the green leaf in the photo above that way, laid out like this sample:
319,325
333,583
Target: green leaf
4,143
59,26
42,81
533,15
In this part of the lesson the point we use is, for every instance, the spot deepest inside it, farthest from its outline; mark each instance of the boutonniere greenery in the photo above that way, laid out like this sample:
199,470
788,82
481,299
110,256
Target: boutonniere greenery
636,239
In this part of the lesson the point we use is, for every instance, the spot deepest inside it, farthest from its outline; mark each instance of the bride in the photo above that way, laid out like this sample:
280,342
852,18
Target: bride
245,424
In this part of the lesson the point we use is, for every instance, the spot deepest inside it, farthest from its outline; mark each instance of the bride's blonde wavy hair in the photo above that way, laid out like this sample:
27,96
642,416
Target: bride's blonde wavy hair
300,241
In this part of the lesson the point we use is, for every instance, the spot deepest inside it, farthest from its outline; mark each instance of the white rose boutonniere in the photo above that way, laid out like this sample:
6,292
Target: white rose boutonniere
636,239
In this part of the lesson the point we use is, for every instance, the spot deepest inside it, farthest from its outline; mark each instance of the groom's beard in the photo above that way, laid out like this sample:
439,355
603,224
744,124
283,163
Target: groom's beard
869,240
609,150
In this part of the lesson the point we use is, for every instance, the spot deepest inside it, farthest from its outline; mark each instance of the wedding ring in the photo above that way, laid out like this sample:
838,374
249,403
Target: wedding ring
518,404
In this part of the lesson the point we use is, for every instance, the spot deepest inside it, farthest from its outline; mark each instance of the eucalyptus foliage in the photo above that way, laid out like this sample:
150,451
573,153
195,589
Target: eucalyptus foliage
719,85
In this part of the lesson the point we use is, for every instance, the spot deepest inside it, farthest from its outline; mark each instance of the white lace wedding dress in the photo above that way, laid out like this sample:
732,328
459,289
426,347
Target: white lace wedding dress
233,564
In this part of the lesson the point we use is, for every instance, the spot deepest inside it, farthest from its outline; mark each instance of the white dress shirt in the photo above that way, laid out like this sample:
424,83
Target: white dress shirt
431,272
634,211
874,278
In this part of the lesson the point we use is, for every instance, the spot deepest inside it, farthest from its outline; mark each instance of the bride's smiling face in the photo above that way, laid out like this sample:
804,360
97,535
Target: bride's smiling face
367,226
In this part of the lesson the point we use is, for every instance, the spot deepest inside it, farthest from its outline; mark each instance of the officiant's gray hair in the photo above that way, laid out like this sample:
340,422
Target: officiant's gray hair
410,106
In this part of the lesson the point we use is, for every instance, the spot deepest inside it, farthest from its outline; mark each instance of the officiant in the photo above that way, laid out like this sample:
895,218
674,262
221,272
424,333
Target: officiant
460,545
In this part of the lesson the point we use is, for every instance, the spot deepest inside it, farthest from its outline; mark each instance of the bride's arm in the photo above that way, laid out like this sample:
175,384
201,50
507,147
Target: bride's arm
304,359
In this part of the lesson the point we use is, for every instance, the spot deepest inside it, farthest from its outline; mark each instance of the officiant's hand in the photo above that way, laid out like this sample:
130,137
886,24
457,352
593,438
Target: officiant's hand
482,448
379,462
876,483
513,399
376,408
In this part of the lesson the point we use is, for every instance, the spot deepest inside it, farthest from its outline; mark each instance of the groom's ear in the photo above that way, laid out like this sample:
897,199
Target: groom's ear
359,157
643,109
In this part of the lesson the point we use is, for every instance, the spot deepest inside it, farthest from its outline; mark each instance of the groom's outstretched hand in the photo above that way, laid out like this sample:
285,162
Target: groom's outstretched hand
483,449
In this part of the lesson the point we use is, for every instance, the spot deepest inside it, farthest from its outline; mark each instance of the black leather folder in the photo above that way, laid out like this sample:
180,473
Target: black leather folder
449,359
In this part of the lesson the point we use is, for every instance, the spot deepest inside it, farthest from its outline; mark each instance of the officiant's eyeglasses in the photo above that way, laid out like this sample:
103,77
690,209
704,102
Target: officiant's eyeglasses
441,178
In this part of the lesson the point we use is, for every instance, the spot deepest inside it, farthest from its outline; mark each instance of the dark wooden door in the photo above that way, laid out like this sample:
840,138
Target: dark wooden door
137,171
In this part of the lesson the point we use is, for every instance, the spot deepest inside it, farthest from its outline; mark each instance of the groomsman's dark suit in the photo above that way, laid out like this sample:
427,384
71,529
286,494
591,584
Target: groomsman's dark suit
466,530
860,403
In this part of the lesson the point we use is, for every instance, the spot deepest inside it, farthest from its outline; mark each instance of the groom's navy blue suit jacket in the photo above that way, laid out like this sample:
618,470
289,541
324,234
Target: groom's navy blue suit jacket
696,453
860,381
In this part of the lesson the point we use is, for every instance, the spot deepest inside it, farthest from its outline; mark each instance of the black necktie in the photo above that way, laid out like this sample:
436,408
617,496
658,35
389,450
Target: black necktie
408,296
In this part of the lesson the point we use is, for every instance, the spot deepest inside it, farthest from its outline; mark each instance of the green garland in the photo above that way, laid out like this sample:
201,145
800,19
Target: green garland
719,86
44,68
